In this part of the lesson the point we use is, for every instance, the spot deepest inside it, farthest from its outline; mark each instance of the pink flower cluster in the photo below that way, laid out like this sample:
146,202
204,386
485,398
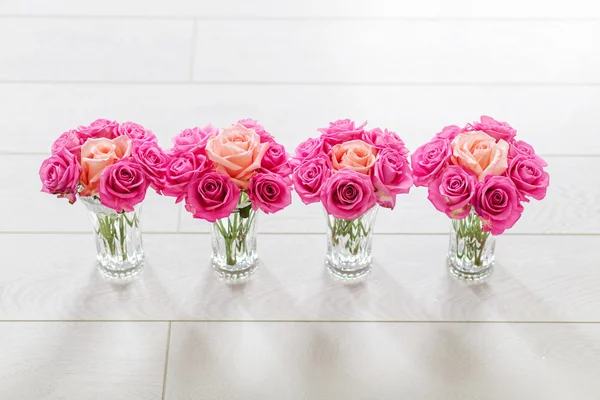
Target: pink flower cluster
211,169
114,162
482,166
350,169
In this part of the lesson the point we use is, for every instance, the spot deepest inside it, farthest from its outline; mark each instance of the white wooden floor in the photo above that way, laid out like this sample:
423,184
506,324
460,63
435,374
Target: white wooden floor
410,331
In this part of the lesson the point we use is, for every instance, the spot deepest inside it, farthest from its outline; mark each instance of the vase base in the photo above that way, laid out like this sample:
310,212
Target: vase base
235,274
347,274
124,274
474,274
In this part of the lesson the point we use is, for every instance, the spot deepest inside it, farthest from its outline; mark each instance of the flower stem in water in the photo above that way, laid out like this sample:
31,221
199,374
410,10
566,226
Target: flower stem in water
113,232
469,230
355,231
237,230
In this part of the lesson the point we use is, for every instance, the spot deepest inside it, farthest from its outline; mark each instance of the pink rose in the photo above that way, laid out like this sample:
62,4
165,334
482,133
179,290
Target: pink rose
479,152
276,161
60,175
309,178
529,177
343,130
100,128
193,140
265,137
453,191
123,185
384,140
69,141
237,152
153,161
348,194
269,192
449,132
136,132
182,168
519,147
391,176
97,154
310,148
429,160
355,154
211,196
497,203
497,130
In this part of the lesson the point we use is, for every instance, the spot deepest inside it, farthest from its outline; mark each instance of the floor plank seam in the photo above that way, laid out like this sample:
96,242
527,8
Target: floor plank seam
271,321
164,387
283,18
294,83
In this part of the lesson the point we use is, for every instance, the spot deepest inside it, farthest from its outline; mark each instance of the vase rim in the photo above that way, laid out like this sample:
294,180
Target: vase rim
94,204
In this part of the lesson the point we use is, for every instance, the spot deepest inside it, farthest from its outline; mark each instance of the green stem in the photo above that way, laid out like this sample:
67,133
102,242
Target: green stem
112,230
122,238
236,232
469,230
354,229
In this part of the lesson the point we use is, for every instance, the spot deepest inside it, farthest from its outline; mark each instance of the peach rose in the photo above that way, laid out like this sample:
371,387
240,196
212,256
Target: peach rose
477,151
237,153
355,154
97,154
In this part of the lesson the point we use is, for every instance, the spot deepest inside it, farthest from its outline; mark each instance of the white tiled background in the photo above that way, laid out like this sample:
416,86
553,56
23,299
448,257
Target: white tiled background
408,332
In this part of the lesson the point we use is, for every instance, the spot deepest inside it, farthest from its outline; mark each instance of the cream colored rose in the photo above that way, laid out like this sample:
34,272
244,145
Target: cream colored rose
355,154
479,152
237,152
97,154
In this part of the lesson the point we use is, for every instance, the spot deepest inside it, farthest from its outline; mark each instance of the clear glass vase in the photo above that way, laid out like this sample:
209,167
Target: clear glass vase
471,251
118,237
234,254
349,245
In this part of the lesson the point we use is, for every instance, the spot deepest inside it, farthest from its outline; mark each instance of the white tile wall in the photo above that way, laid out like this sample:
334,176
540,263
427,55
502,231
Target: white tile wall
310,8
72,49
543,114
376,51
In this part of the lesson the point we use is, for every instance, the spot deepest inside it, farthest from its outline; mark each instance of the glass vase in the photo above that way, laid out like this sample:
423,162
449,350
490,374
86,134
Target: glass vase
349,245
118,238
234,254
471,251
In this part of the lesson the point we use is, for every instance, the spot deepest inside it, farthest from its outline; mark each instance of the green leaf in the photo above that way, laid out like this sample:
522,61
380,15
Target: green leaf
245,212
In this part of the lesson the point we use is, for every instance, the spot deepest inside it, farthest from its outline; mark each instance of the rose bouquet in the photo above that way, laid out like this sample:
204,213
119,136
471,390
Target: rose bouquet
109,166
225,178
479,176
351,170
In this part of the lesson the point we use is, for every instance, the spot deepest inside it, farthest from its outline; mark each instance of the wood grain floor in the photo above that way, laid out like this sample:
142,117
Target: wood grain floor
408,332
383,361
534,280
61,360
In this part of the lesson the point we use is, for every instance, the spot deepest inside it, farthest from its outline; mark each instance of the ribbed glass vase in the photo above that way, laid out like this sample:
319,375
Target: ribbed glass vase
471,250
118,237
349,245
234,253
